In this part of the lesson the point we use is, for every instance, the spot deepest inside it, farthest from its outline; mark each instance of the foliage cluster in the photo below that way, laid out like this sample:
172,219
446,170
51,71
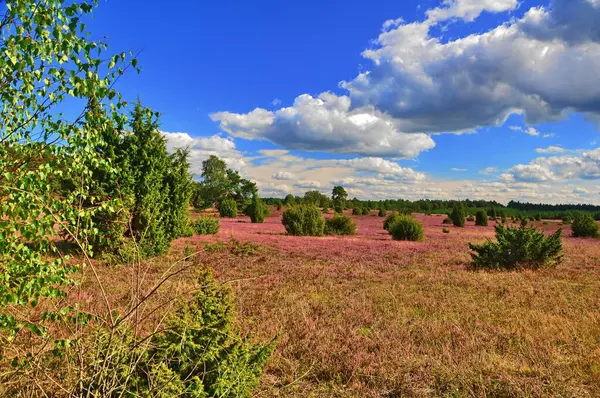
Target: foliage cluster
257,210
206,225
458,216
340,225
228,208
584,226
481,218
303,220
518,248
200,353
389,220
406,228
220,183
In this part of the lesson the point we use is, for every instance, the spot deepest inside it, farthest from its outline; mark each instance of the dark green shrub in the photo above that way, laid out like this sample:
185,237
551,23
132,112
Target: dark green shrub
382,212
446,230
389,220
357,211
303,220
338,208
228,208
458,216
407,228
257,210
366,211
584,226
597,217
325,210
567,219
199,353
481,218
340,225
538,217
278,204
206,225
518,248
492,213
447,220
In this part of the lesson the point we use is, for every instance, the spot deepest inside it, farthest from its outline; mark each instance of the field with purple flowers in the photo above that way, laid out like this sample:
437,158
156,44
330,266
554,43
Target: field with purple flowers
366,316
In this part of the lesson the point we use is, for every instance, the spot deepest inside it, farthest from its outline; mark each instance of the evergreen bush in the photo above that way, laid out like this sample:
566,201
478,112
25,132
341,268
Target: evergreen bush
303,220
340,225
228,208
584,226
458,216
407,228
518,248
481,218
206,225
200,353
389,220
257,210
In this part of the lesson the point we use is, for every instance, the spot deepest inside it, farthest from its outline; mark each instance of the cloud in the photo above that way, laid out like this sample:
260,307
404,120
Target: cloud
586,166
550,149
469,10
541,65
277,173
457,169
531,131
283,175
276,102
489,170
200,148
326,123
308,184
383,168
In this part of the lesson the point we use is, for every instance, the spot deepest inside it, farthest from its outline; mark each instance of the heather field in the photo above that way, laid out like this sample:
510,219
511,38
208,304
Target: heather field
366,316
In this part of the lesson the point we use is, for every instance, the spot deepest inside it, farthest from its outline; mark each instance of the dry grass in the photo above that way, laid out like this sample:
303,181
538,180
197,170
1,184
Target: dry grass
365,316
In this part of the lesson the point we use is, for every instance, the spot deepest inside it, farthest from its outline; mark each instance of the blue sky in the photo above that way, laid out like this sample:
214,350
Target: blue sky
492,99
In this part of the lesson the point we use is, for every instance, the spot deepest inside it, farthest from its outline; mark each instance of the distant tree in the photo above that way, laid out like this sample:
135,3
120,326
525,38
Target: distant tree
314,198
219,183
339,193
289,200
214,184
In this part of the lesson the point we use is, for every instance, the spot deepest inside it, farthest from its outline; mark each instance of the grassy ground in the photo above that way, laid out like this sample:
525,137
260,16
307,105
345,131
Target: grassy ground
365,316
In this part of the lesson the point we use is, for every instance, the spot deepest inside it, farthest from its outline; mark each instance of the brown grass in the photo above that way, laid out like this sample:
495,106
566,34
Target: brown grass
390,319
